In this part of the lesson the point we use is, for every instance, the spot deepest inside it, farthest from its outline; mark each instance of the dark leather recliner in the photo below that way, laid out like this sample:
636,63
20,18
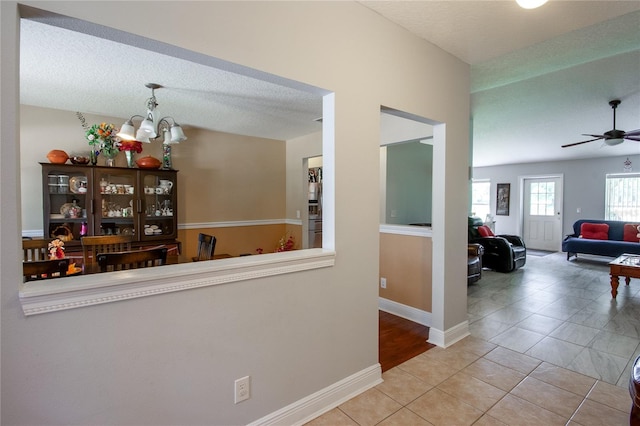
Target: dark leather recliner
502,253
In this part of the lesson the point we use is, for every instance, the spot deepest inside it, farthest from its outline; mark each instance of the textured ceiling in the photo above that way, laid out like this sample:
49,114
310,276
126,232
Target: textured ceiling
68,70
540,77
477,31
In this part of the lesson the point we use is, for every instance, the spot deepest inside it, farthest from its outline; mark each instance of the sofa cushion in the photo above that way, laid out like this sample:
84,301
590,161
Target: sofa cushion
485,231
631,232
594,231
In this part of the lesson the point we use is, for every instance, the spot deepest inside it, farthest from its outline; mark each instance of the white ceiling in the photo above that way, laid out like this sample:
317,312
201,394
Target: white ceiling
540,78
69,70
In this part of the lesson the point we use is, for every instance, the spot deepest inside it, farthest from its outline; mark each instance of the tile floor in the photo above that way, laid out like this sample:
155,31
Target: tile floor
548,346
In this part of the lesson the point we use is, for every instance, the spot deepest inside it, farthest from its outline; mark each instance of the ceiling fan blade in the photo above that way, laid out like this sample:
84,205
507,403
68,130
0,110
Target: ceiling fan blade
633,138
594,136
633,133
579,143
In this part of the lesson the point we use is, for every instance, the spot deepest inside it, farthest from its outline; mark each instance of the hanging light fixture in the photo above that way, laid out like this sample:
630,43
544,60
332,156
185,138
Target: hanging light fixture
151,127
530,4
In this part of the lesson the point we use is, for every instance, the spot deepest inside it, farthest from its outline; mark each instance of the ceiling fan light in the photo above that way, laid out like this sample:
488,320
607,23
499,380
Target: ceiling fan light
530,4
127,131
177,135
614,141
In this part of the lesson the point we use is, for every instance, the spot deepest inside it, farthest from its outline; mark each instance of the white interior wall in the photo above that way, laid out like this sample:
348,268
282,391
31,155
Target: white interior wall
173,358
583,187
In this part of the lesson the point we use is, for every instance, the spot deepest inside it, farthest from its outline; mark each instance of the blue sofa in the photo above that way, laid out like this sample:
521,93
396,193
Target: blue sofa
613,247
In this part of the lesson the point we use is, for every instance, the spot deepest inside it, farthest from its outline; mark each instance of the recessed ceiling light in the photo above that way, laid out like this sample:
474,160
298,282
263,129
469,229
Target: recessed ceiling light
530,4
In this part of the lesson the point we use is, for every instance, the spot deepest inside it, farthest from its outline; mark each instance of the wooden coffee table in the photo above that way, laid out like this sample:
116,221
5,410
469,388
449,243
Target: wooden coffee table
628,266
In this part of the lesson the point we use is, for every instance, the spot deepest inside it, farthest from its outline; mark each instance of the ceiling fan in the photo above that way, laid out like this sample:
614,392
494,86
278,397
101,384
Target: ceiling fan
612,137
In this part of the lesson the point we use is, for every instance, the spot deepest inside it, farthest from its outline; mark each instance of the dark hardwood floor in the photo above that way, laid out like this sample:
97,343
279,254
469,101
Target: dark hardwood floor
400,340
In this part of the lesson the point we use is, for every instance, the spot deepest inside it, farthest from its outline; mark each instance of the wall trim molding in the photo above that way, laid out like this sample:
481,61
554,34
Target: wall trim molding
40,297
318,403
414,231
450,336
39,233
404,311
437,337
231,223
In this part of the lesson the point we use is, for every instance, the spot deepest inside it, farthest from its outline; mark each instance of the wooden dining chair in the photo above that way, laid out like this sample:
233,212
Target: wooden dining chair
44,269
116,261
206,247
35,250
92,246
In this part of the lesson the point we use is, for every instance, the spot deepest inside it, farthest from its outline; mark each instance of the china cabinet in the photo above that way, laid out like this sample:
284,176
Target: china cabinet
91,200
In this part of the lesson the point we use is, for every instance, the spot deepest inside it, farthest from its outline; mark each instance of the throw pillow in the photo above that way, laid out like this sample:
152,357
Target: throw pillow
485,231
594,231
630,232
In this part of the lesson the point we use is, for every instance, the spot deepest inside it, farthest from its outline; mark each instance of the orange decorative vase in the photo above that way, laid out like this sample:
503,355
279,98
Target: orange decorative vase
57,156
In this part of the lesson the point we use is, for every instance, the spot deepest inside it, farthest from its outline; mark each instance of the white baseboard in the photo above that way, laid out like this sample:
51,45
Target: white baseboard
314,405
436,337
405,311
444,339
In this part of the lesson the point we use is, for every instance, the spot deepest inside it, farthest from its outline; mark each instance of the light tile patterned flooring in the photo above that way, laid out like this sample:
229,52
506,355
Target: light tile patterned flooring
548,346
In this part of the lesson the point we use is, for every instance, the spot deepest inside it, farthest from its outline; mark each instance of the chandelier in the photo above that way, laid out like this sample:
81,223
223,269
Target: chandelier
152,127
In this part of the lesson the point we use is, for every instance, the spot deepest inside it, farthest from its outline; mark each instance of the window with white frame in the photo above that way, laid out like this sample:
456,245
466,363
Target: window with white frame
622,197
542,199
480,198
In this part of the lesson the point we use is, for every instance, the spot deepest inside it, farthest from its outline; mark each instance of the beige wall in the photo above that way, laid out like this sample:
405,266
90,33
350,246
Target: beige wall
241,240
173,358
253,188
405,261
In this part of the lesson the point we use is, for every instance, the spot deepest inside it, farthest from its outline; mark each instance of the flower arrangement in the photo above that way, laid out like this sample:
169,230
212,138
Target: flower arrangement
286,243
56,249
130,146
102,137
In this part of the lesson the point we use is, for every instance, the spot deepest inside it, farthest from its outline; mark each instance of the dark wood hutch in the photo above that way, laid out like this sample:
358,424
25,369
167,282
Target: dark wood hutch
81,200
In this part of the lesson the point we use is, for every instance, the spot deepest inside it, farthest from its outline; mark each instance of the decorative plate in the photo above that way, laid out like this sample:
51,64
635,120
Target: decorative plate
66,207
74,184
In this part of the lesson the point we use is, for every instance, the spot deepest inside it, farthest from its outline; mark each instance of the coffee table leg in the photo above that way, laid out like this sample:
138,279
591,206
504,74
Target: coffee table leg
627,280
614,285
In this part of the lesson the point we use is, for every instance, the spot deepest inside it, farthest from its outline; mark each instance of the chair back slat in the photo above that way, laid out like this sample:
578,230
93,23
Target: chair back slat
92,246
43,269
116,261
35,250
206,247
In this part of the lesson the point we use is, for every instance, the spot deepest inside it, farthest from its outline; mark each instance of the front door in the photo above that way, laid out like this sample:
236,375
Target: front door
542,215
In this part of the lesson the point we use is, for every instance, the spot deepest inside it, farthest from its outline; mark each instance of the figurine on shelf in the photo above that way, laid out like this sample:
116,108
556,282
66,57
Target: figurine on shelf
56,249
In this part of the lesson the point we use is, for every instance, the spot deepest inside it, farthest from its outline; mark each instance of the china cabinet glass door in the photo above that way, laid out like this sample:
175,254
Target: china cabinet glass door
116,201
158,207
67,202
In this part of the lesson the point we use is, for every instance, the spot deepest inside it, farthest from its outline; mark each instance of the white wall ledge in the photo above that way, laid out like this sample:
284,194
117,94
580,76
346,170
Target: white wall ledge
40,297
412,230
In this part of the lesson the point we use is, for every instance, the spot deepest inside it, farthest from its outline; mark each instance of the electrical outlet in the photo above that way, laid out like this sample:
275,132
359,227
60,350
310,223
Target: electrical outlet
297,214
242,389
383,282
